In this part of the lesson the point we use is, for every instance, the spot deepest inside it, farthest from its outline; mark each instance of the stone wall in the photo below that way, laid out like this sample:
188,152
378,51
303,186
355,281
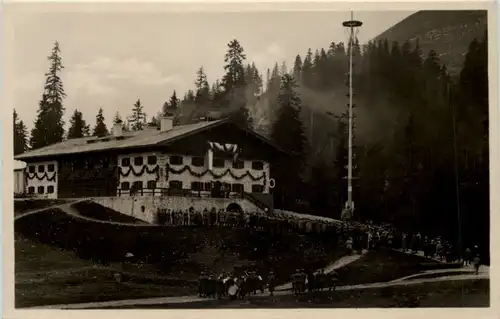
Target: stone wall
146,208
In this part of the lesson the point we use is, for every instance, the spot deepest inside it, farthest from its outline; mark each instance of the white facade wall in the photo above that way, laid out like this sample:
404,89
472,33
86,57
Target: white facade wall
42,183
131,178
19,181
185,177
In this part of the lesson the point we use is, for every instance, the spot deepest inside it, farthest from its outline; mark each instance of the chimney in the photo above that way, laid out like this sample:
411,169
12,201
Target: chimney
166,123
117,129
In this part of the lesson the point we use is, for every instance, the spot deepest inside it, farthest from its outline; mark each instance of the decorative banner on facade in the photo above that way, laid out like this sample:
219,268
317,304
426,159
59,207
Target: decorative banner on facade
144,169
45,175
188,169
226,148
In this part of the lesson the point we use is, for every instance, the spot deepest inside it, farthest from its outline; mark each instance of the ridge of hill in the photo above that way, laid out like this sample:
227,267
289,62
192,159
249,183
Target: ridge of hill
447,32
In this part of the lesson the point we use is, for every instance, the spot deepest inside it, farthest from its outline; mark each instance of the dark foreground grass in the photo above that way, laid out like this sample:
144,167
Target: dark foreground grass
62,258
383,265
46,275
471,293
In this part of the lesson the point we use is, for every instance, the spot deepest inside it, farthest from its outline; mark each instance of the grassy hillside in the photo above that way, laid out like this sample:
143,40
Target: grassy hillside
447,32
60,256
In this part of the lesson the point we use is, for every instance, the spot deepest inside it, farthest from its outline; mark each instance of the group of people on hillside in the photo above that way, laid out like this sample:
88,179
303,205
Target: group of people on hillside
439,248
232,285
257,220
313,281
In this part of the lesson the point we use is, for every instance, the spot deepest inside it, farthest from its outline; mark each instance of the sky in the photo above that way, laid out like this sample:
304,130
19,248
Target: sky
111,59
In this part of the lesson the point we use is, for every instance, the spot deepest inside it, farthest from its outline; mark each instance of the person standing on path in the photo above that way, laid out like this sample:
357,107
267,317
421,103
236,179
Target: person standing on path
477,263
271,283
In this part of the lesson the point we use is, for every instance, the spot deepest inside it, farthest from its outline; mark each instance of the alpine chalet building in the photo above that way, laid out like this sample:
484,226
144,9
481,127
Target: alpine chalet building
195,163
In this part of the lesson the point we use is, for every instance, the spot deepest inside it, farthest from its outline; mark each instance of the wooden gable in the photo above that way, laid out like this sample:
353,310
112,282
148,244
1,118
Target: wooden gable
252,146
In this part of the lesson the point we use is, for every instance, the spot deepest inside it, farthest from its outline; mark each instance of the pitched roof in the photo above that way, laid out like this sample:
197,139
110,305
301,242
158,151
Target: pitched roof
134,139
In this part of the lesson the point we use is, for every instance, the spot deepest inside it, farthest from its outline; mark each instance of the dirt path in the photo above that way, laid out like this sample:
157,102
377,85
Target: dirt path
339,263
189,299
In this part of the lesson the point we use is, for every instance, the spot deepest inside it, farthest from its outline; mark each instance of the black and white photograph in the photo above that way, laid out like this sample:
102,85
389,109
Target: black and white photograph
243,159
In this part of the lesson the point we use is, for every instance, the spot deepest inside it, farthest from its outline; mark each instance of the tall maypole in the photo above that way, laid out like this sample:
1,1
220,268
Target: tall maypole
352,27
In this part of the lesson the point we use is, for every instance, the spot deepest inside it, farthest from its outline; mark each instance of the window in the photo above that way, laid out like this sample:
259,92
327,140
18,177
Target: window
218,162
41,189
31,169
50,168
207,186
198,161
258,166
41,168
152,160
237,188
125,162
238,164
31,189
175,184
257,189
137,185
176,160
151,184
138,161
125,186
196,186
50,189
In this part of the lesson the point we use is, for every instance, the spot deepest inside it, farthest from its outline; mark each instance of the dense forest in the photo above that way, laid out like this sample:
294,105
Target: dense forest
421,135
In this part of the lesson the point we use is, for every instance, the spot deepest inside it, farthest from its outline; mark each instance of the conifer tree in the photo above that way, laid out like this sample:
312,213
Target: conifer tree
78,127
100,128
234,84
49,124
20,135
288,133
138,116
202,96
297,69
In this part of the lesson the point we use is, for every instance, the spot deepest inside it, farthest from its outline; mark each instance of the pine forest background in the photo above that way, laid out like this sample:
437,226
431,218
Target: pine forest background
421,126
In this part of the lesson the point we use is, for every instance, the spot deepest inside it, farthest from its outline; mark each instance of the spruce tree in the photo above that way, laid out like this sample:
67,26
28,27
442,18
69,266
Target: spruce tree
20,135
49,125
100,128
307,70
234,84
138,116
297,69
78,127
288,132
202,97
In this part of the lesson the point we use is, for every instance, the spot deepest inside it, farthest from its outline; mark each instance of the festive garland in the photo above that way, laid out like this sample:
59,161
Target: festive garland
45,175
144,169
214,175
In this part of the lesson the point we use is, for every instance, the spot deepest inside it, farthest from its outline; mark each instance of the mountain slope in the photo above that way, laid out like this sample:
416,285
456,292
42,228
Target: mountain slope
447,32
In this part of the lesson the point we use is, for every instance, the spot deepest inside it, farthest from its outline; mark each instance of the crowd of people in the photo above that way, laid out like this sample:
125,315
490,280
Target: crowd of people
354,236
